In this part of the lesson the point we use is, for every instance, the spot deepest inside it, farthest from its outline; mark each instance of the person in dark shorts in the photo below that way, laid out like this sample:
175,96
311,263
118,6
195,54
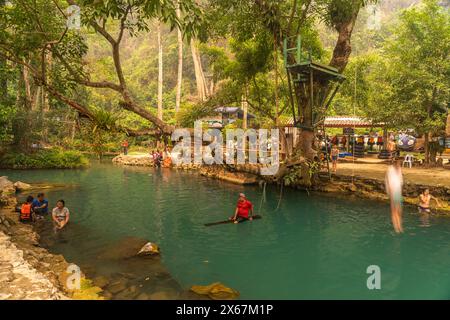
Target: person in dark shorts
380,142
424,201
40,205
244,210
334,157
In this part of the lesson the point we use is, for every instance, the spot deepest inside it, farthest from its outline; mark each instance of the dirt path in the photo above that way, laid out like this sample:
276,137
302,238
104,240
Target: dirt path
376,170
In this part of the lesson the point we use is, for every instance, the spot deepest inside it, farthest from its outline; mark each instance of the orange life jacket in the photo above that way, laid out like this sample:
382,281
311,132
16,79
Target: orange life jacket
25,211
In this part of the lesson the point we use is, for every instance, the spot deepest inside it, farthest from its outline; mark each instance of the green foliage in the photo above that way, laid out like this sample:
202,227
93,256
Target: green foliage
353,96
7,114
44,159
142,12
101,129
189,113
293,176
411,85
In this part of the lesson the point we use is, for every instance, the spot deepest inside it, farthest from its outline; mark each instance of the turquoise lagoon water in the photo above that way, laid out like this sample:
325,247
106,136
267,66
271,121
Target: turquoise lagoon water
314,246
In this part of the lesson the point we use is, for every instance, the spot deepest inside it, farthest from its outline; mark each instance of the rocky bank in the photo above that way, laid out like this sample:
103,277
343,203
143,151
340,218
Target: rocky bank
28,271
141,160
375,189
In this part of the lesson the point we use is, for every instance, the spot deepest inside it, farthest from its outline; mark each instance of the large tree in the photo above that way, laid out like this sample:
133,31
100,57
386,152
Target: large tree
31,29
248,21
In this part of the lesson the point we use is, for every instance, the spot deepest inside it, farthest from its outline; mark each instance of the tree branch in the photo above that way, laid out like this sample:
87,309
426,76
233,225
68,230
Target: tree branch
79,79
291,18
122,23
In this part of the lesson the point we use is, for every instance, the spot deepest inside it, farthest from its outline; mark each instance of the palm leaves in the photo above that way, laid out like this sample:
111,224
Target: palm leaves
104,120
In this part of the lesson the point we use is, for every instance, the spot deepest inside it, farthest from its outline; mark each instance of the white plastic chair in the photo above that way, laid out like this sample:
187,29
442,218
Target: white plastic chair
408,160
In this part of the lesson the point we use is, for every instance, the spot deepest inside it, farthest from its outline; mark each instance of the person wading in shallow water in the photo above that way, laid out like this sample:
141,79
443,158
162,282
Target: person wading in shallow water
243,208
60,215
425,198
394,185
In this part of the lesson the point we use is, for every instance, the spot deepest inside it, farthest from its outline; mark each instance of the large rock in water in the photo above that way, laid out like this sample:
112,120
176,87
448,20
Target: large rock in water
216,291
6,186
149,249
22,186
143,160
129,247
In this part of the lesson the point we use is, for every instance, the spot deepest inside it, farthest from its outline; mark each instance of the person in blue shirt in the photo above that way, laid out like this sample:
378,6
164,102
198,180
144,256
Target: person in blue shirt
40,205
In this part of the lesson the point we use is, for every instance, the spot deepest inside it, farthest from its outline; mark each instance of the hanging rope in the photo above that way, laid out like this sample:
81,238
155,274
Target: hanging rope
354,128
263,198
281,196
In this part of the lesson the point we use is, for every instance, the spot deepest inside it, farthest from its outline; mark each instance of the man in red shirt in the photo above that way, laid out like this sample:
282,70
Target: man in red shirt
243,208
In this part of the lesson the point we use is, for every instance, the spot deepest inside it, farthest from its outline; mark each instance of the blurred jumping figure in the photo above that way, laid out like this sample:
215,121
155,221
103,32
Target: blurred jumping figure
394,185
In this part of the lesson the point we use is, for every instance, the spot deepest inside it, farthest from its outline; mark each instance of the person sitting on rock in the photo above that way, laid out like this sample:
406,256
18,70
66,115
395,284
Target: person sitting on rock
40,205
26,214
60,215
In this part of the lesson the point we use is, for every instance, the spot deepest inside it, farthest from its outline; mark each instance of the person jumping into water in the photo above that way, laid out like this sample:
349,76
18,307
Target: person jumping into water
394,184
425,198
243,208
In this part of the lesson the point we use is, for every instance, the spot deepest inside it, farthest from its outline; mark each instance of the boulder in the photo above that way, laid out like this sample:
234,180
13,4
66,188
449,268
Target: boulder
216,291
162,295
107,295
143,296
100,281
6,186
22,186
128,247
127,294
117,287
149,249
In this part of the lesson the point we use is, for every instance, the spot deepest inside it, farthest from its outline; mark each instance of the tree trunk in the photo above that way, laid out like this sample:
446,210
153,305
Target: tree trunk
202,89
37,99
45,102
447,129
180,64
429,107
3,80
427,147
343,47
27,86
160,73
3,77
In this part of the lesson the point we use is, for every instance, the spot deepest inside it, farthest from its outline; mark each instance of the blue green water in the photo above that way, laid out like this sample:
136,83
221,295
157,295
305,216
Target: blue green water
313,247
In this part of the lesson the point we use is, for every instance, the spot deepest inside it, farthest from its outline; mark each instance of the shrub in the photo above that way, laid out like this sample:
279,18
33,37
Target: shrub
44,159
